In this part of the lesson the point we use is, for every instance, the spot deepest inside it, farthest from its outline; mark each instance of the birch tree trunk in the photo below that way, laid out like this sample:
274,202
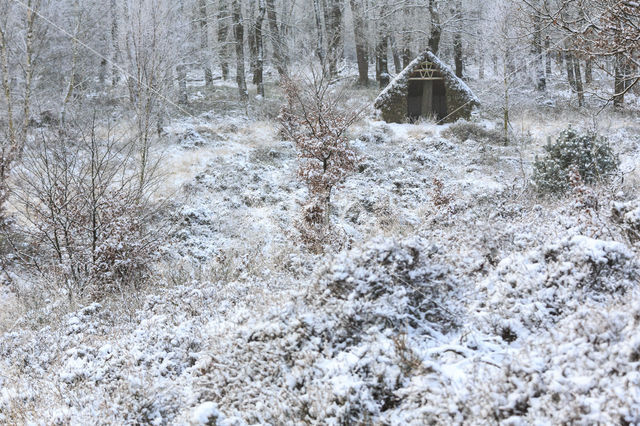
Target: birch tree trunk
17,133
28,70
619,82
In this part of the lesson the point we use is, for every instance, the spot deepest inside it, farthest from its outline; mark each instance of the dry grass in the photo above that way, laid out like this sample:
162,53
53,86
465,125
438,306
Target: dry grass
9,311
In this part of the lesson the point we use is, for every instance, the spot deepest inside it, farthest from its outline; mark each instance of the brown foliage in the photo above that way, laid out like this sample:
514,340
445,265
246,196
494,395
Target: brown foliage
316,120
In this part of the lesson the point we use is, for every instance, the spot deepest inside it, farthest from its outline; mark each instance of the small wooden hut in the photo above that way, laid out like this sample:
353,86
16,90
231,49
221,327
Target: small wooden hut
426,88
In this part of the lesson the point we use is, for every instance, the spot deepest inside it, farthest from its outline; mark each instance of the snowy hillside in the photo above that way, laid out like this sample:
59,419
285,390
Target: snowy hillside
454,294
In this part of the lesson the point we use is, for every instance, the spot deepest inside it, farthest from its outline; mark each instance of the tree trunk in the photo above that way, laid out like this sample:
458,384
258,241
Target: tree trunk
277,43
333,20
181,71
505,115
382,67
568,59
436,27
115,44
407,57
457,49
28,70
204,42
619,82
223,36
397,64
457,40
320,32
547,49
74,62
578,79
238,33
257,75
251,40
588,71
102,73
361,42
541,82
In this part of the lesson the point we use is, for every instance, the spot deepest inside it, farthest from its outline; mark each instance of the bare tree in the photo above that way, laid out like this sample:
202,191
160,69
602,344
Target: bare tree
316,121
259,67
382,46
436,27
150,41
204,41
17,128
224,19
84,212
278,44
238,33
334,27
457,38
605,29
359,28
320,31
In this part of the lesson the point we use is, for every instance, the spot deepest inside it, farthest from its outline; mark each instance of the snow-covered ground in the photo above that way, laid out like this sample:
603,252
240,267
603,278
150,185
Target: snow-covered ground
476,303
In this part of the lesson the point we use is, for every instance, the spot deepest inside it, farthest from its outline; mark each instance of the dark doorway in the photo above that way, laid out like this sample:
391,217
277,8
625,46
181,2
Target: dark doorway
426,98
439,100
414,99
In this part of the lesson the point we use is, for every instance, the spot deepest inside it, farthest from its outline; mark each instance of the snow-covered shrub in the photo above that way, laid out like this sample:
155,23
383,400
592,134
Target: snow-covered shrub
535,289
316,119
87,215
392,285
628,216
464,130
585,372
341,352
589,154
380,134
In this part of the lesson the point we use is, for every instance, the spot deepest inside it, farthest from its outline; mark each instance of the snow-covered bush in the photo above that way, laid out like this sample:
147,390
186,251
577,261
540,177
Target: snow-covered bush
392,285
588,154
87,216
464,130
340,353
316,120
584,372
628,216
533,290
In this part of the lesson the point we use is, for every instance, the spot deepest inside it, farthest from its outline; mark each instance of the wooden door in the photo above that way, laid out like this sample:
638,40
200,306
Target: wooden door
439,99
414,99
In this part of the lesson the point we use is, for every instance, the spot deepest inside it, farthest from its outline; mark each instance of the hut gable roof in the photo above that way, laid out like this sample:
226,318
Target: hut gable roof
400,82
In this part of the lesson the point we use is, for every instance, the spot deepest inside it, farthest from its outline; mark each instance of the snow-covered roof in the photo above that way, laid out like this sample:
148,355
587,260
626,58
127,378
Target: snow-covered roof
400,81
